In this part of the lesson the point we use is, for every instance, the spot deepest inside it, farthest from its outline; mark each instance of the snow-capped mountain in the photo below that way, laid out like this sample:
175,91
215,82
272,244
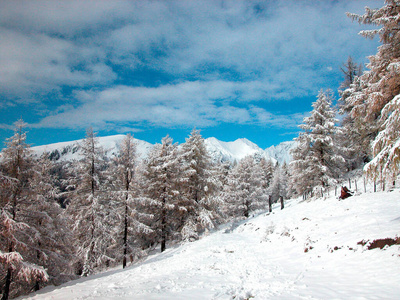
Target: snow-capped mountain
234,151
281,152
219,151
65,151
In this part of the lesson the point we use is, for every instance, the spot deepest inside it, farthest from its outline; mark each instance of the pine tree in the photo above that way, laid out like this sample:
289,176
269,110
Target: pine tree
380,91
244,193
53,250
322,164
161,185
90,209
16,235
301,178
279,184
130,226
351,70
198,187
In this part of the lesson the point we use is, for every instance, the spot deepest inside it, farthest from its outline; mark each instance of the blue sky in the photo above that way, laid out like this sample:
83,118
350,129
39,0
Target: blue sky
230,68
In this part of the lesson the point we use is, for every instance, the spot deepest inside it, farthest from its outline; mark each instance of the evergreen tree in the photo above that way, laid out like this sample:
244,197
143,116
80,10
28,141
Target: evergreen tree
53,250
130,219
351,70
322,164
16,235
90,209
244,191
267,169
301,178
161,185
379,93
198,187
279,184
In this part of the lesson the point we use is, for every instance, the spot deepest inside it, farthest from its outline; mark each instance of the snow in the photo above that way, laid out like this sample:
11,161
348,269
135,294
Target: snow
309,250
281,152
219,150
234,151
70,150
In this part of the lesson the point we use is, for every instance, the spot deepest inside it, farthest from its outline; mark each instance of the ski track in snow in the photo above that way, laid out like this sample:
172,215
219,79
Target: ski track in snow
265,258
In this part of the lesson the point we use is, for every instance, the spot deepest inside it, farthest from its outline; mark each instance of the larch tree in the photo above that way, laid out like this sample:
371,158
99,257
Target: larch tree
322,164
353,134
351,70
131,220
90,209
198,179
243,192
53,251
279,183
301,178
380,90
17,236
161,186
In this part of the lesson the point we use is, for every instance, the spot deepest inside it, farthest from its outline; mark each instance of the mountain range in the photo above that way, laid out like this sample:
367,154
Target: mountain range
219,151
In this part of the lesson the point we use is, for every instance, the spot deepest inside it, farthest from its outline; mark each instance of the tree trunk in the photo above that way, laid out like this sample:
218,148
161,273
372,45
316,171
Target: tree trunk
163,227
270,203
282,204
125,234
6,290
246,210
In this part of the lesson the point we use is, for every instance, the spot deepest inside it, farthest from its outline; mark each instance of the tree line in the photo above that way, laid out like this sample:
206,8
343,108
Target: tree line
65,219
60,220
369,104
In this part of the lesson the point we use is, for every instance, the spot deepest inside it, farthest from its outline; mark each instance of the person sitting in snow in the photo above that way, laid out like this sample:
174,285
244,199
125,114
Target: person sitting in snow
345,193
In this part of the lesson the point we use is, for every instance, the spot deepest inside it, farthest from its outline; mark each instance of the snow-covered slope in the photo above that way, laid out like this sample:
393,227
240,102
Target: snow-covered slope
309,250
281,152
219,151
71,150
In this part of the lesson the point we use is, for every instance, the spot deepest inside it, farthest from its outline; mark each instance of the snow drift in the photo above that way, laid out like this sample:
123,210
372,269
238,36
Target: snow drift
309,250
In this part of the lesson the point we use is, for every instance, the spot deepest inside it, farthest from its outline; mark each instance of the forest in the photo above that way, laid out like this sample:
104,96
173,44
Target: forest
63,220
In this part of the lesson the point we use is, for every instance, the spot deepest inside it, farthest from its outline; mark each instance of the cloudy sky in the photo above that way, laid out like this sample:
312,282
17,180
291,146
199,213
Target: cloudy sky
230,68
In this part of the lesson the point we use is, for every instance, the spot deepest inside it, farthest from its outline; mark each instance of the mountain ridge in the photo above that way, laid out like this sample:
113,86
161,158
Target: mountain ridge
220,151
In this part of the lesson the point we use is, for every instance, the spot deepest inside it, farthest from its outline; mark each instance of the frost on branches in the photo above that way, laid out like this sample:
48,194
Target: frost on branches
90,209
317,162
18,237
245,190
130,219
161,187
198,183
376,96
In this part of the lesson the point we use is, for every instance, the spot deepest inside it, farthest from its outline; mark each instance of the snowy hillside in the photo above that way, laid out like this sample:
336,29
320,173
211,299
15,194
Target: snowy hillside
309,250
219,151
70,150
281,152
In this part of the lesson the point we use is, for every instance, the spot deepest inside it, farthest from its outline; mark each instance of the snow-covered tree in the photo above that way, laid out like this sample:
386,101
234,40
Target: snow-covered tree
125,190
267,170
376,103
351,70
244,191
301,179
161,185
90,208
17,236
198,186
53,250
317,160
279,183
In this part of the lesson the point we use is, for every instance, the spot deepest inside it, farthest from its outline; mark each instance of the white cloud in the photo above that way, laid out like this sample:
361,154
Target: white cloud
221,55
186,104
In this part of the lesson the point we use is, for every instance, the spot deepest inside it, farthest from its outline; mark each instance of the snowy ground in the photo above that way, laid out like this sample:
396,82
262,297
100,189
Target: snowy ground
266,258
